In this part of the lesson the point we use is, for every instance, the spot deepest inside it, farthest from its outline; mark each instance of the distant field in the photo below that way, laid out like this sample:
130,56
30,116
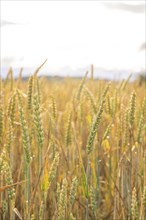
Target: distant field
72,149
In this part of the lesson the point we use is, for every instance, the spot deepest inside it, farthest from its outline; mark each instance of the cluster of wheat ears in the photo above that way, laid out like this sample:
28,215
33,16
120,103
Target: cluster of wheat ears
72,149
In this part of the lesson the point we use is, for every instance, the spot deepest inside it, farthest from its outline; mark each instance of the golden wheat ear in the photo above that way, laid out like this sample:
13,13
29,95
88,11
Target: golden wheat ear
38,69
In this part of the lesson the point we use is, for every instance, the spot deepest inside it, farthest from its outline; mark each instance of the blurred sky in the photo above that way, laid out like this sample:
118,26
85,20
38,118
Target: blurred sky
109,34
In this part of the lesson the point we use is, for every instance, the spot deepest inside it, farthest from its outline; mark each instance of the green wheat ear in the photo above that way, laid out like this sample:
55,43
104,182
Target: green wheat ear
92,100
62,200
24,129
58,192
105,91
107,132
12,108
95,125
134,205
54,108
10,137
140,129
5,170
38,121
30,92
143,108
73,190
53,169
125,82
68,131
78,94
126,134
93,200
132,108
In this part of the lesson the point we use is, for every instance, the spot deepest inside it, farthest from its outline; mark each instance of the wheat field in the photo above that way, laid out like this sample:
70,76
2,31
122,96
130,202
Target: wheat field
72,149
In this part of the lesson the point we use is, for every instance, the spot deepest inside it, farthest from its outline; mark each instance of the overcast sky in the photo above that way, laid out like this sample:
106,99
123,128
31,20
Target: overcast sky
73,33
